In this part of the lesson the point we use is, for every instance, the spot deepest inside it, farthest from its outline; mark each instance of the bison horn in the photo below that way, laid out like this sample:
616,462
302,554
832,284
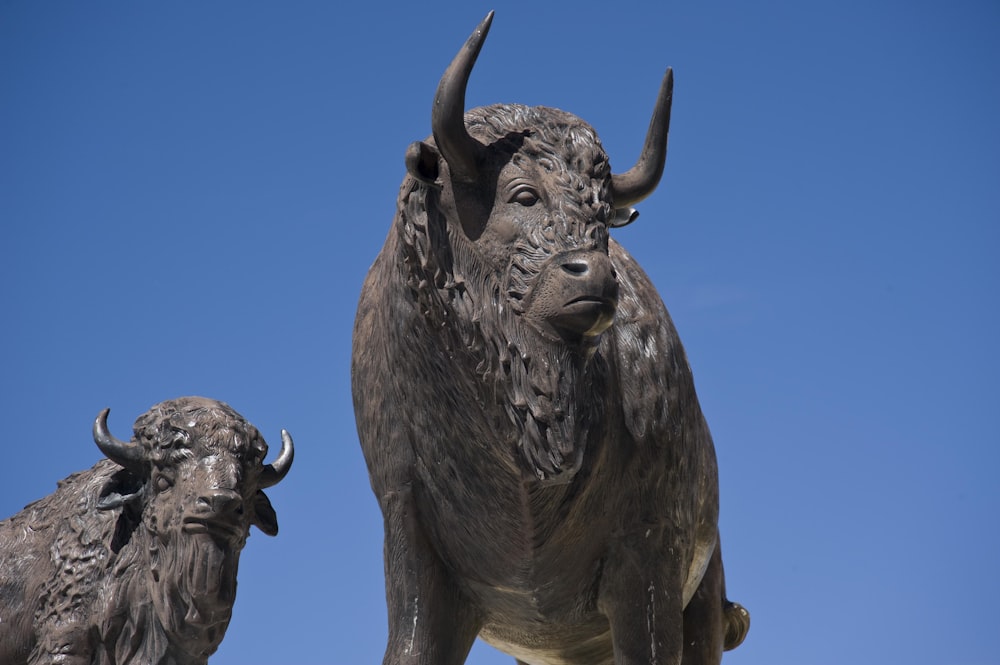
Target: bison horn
272,474
459,149
639,182
124,454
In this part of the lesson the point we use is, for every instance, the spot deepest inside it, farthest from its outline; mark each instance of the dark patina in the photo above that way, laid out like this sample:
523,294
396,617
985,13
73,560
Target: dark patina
134,561
526,408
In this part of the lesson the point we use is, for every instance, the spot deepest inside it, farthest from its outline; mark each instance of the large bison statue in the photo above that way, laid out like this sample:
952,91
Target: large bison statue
134,560
526,409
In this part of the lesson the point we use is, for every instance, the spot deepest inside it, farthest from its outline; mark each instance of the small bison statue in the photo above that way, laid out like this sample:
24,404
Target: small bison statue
526,409
134,560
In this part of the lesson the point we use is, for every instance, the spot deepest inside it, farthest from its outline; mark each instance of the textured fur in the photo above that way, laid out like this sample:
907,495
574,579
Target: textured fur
104,572
557,497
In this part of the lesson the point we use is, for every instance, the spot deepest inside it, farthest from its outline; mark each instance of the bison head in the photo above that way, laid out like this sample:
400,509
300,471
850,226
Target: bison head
193,477
503,220
529,196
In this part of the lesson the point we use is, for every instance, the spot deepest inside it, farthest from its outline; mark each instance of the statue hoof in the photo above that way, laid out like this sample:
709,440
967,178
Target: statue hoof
737,625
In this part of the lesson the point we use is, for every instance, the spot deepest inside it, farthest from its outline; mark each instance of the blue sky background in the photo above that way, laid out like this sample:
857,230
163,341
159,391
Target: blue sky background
191,193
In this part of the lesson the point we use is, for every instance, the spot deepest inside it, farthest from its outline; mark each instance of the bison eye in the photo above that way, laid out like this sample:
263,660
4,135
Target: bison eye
525,196
163,483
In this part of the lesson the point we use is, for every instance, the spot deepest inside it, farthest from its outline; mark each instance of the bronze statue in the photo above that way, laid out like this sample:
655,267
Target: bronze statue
134,560
526,408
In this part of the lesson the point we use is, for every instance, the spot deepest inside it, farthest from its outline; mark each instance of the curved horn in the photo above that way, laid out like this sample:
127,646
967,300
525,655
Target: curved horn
459,149
125,454
272,474
639,182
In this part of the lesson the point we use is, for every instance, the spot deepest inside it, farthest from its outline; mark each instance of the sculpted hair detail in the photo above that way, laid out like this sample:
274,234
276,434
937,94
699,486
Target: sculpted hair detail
545,474
473,310
164,430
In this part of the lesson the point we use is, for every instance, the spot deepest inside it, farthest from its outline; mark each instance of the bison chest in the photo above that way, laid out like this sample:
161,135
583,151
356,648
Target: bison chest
517,546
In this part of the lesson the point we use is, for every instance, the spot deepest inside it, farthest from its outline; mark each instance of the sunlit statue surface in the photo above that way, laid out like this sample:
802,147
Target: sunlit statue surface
525,406
134,560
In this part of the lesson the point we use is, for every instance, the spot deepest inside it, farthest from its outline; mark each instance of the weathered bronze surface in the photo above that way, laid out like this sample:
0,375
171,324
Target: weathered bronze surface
134,560
526,408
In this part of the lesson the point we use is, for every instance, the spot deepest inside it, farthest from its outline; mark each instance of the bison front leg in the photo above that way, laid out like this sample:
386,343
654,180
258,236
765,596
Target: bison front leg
704,627
712,624
644,605
430,623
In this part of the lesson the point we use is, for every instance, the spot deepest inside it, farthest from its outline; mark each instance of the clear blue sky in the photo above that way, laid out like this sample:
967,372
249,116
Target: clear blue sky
191,193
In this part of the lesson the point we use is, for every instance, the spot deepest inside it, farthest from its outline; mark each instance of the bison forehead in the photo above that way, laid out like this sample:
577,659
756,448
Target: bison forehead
194,426
560,141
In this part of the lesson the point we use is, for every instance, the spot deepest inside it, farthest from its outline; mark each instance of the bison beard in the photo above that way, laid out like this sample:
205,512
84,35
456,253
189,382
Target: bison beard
544,384
196,586
193,588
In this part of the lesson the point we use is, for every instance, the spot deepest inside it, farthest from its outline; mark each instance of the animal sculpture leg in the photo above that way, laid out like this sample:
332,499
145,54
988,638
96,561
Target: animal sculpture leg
643,603
712,624
704,626
430,623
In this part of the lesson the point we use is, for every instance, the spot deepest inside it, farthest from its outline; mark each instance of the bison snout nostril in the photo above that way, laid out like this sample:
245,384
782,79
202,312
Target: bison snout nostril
221,501
576,267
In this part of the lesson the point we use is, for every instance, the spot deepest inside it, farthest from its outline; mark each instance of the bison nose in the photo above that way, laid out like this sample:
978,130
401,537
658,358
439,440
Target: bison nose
221,501
577,295
587,275
576,266
590,266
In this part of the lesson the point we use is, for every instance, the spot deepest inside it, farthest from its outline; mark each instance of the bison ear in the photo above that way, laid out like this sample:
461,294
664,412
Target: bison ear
264,517
122,489
623,217
422,162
